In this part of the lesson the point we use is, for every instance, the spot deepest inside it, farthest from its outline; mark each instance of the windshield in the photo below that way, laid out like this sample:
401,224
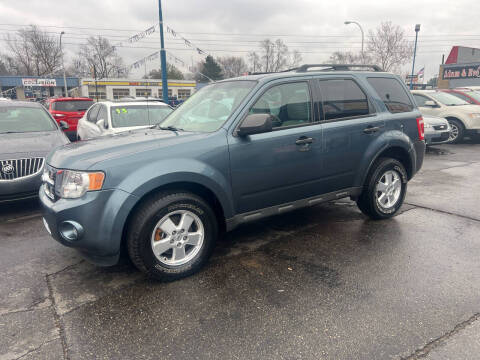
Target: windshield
447,99
138,115
24,119
208,109
473,94
72,105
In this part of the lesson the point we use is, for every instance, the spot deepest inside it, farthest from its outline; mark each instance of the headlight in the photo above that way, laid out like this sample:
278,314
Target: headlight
474,115
74,184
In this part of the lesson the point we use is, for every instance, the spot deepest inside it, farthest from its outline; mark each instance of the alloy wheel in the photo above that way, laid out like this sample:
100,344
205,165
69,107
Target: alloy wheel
388,189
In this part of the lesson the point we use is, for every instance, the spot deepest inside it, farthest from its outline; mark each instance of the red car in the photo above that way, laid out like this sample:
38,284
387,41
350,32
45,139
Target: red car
469,95
70,110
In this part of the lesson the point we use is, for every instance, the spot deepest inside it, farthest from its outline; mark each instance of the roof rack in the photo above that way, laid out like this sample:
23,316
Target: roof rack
337,67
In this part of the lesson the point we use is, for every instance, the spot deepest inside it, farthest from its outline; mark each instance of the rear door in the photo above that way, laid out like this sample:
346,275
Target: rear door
351,123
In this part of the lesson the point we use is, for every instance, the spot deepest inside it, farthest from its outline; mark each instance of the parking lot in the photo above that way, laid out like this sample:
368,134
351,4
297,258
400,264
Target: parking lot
320,283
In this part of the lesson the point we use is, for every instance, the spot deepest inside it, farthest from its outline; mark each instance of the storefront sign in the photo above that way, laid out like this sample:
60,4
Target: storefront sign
462,72
39,82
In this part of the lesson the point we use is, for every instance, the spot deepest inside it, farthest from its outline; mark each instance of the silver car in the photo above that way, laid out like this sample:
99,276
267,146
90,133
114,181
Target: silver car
437,130
27,134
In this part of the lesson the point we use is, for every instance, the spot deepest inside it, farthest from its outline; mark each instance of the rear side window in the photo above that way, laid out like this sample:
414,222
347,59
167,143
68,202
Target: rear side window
420,100
343,98
392,93
72,105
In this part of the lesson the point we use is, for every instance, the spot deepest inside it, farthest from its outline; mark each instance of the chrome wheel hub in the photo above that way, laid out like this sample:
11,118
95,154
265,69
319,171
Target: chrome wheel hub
453,133
177,238
388,189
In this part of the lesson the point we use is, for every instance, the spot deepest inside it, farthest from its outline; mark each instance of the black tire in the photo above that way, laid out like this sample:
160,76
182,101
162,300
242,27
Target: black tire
144,221
367,202
461,130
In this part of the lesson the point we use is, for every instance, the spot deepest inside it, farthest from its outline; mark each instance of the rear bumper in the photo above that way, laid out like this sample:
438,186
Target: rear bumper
418,156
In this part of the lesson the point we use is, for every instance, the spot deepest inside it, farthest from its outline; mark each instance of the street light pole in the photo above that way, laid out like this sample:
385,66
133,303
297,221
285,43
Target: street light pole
363,36
163,57
417,29
63,66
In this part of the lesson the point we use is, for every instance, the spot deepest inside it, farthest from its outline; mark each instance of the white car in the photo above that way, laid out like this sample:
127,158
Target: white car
463,117
437,130
111,117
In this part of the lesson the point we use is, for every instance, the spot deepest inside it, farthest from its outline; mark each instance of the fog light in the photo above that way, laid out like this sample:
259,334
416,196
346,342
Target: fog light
70,230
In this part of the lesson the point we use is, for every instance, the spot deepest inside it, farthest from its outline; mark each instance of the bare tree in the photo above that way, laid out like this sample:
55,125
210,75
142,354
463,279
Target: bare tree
232,66
389,47
99,53
275,56
33,52
347,57
254,60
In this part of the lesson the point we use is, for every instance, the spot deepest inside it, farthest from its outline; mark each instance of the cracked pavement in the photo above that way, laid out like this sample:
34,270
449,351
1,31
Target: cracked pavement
319,283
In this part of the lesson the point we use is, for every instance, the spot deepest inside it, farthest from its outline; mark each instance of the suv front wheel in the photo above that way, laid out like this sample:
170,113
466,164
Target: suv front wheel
384,189
172,235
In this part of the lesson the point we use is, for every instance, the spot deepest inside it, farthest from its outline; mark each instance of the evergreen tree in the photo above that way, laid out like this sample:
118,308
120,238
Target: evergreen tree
211,69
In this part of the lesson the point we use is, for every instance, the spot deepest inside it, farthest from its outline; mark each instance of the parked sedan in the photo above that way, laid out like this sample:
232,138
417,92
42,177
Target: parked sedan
437,130
112,117
27,134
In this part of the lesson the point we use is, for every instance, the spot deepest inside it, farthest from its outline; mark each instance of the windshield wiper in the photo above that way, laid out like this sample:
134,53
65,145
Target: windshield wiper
10,132
169,127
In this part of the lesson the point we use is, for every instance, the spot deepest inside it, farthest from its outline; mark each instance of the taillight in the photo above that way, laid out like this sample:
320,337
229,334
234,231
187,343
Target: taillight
421,129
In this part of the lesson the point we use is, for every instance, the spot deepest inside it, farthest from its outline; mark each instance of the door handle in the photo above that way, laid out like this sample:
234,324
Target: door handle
304,140
371,129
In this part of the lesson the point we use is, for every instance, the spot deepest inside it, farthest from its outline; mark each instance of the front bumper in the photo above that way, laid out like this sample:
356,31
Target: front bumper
436,137
101,214
21,188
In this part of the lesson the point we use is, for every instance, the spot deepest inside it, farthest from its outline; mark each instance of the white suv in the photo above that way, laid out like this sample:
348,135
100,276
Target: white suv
463,117
111,117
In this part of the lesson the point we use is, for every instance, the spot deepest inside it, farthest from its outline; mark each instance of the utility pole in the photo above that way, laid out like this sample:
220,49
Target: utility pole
417,29
95,76
163,57
63,66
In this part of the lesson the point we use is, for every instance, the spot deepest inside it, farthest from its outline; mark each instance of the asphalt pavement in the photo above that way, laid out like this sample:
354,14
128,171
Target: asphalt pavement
319,283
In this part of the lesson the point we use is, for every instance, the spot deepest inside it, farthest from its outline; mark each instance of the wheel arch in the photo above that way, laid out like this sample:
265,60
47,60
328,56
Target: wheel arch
193,187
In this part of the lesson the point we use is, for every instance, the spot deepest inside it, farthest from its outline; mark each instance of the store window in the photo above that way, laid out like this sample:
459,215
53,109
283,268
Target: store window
120,93
100,91
143,92
160,93
183,94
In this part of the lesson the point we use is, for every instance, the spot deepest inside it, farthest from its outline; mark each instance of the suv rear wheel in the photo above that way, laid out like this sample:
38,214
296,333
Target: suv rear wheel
172,235
384,189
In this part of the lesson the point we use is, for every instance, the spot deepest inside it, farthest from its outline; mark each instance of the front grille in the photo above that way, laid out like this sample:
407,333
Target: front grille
20,168
440,127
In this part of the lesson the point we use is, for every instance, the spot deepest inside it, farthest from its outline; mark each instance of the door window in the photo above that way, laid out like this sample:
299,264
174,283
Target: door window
289,104
92,114
392,93
102,114
420,99
343,98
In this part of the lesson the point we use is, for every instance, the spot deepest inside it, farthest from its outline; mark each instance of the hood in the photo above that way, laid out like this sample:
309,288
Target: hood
30,144
82,155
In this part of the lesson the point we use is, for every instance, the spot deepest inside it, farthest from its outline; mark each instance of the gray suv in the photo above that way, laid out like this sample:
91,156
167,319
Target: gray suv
236,151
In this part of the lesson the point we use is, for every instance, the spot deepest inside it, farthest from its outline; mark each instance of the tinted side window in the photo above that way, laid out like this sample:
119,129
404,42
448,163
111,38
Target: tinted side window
343,98
92,113
289,103
392,93
463,97
420,100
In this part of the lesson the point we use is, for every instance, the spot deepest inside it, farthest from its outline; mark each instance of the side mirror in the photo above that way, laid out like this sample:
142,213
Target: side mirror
430,103
63,125
102,124
255,124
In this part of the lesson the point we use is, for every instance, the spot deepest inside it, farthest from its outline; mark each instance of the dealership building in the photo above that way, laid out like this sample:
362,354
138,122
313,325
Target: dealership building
114,89
461,69
30,87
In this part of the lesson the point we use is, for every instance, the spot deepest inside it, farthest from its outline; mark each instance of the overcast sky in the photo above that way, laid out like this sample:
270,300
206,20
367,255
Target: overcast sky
234,27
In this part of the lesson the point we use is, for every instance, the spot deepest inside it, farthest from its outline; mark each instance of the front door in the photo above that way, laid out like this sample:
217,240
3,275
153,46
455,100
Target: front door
282,165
